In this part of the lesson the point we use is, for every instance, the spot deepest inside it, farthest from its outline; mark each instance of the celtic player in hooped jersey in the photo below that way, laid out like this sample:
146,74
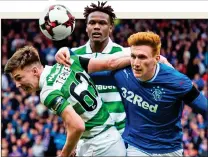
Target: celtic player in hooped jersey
99,19
109,94
71,94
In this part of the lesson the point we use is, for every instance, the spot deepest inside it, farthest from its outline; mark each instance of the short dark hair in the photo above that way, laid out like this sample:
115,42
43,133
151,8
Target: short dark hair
23,57
100,7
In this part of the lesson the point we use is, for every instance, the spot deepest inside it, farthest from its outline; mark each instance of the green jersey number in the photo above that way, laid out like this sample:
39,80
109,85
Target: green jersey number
80,91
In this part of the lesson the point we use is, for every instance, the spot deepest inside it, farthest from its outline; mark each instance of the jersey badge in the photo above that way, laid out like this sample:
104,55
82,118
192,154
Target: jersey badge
157,93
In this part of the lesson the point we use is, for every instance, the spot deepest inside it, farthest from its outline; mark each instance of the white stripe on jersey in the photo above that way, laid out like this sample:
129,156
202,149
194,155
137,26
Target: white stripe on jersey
97,129
110,96
118,116
90,55
72,101
43,96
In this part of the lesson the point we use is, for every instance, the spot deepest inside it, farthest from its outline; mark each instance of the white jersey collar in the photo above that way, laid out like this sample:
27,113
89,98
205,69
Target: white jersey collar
107,49
43,75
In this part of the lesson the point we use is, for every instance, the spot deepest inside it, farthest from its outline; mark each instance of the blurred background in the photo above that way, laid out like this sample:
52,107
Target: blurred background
29,129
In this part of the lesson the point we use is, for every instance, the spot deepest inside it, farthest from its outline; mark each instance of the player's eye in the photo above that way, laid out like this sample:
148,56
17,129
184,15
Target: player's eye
133,56
18,78
142,57
92,22
102,23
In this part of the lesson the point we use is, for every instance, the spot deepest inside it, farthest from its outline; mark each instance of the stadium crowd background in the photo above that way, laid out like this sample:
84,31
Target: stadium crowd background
29,129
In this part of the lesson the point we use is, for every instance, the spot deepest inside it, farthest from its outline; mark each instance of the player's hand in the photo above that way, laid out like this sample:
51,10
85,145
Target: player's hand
62,154
165,61
63,56
73,154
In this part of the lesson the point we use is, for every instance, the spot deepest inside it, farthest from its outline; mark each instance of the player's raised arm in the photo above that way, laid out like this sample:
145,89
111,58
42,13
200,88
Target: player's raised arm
111,62
114,61
75,127
63,57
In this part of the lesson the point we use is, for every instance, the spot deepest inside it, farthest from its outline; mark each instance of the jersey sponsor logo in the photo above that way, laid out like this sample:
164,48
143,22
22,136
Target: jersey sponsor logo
138,100
157,93
102,87
51,77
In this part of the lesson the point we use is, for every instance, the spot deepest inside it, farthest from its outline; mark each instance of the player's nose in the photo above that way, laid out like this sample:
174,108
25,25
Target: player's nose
137,62
97,26
17,84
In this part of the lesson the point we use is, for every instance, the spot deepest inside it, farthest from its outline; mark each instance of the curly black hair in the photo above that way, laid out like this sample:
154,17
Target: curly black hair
100,7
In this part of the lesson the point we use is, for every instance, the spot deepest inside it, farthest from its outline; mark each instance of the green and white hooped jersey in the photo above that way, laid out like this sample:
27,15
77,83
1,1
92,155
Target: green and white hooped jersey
109,94
61,86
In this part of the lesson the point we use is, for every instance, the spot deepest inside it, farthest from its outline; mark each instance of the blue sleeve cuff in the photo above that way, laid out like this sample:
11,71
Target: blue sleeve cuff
103,78
71,52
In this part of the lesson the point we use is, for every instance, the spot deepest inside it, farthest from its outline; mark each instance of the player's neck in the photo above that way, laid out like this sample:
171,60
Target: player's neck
41,68
98,46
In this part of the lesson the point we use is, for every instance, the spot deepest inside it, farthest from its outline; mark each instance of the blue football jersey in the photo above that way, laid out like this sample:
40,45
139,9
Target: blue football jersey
153,108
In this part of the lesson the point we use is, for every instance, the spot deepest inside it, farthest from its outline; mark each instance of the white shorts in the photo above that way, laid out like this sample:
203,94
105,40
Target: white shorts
133,151
108,143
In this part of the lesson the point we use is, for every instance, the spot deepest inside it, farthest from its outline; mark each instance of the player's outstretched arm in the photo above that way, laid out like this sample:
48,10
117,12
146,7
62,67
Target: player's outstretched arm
111,62
115,61
63,56
75,127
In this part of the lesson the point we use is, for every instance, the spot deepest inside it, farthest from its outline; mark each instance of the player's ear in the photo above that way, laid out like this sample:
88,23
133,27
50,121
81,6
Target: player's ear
157,57
111,28
35,71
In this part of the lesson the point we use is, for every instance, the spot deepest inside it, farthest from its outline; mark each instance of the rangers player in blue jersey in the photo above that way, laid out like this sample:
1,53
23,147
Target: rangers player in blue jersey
153,95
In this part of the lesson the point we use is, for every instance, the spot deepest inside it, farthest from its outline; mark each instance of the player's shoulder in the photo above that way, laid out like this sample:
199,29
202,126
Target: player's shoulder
116,45
171,72
118,48
79,50
174,77
50,73
127,49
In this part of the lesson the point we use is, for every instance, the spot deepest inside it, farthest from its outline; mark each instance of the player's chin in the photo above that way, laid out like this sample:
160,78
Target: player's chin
137,74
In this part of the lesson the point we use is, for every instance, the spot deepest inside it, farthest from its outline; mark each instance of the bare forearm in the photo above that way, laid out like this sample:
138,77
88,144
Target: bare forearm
73,137
75,127
111,62
118,62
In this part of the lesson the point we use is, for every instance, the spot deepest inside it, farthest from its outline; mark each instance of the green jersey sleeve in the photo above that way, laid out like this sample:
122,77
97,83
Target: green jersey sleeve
54,100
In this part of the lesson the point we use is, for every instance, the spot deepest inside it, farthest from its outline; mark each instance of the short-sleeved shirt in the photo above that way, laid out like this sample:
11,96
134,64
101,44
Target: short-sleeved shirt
61,86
